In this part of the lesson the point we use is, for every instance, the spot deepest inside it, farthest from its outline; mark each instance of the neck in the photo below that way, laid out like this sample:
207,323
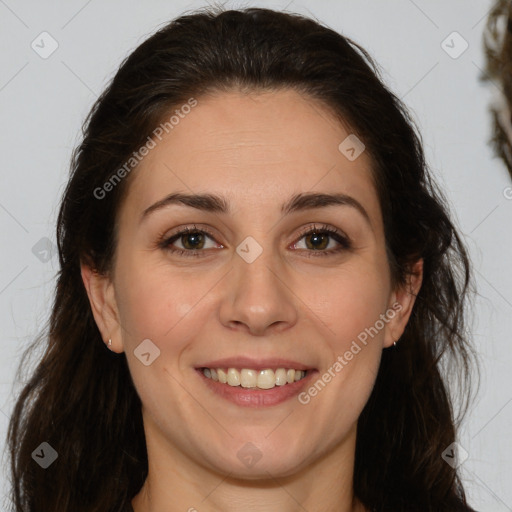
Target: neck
177,483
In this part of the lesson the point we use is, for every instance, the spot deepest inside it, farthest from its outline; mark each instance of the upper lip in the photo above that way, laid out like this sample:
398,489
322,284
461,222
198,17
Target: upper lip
254,364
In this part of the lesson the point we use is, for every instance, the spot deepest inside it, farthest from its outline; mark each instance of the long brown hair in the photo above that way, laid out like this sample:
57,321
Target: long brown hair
81,399
497,45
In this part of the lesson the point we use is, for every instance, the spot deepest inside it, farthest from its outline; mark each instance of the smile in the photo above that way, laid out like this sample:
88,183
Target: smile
250,378
252,388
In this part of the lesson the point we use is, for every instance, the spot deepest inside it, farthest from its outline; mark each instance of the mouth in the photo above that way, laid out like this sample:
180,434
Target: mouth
251,383
250,378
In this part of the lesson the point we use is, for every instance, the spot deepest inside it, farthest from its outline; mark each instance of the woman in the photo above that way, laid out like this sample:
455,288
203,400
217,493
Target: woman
250,228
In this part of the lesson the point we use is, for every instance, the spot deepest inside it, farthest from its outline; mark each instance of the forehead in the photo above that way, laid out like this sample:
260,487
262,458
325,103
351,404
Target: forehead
257,148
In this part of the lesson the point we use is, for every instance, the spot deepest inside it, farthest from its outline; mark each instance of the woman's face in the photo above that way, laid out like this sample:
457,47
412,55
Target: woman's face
247,289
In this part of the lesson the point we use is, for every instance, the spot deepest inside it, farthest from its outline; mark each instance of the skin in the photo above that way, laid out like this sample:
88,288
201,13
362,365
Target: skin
257,150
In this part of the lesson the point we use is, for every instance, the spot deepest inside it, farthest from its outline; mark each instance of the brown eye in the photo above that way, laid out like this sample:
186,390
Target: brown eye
317,240
193,240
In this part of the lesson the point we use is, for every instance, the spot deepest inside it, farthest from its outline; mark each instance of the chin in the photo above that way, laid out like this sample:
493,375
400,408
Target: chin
253,460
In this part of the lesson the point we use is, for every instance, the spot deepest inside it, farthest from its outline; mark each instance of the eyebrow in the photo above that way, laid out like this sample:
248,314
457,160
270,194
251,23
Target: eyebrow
218,204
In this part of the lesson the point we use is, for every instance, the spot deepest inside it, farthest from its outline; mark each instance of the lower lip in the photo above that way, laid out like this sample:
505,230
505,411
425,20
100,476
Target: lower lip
255,397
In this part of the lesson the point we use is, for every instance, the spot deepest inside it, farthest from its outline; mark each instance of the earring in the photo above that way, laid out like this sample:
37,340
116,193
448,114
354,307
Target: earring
109,344
394,343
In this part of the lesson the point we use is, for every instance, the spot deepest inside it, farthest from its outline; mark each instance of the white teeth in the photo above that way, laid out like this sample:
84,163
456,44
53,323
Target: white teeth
223,376
248,378
266,379
233,377
280,375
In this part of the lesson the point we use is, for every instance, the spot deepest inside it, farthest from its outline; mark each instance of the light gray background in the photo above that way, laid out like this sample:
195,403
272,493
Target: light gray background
44,101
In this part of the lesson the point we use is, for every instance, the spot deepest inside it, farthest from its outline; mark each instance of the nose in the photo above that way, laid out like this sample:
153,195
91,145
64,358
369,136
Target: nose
259,297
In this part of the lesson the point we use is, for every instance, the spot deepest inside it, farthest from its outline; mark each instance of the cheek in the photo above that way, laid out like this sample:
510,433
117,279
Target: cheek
353,307
165,309
154,304
351,302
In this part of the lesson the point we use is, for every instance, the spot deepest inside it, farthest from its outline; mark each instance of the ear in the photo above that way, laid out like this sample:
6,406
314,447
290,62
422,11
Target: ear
401,302
100,291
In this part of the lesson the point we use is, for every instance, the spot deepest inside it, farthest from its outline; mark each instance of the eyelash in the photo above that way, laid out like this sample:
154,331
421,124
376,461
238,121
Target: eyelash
342,239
